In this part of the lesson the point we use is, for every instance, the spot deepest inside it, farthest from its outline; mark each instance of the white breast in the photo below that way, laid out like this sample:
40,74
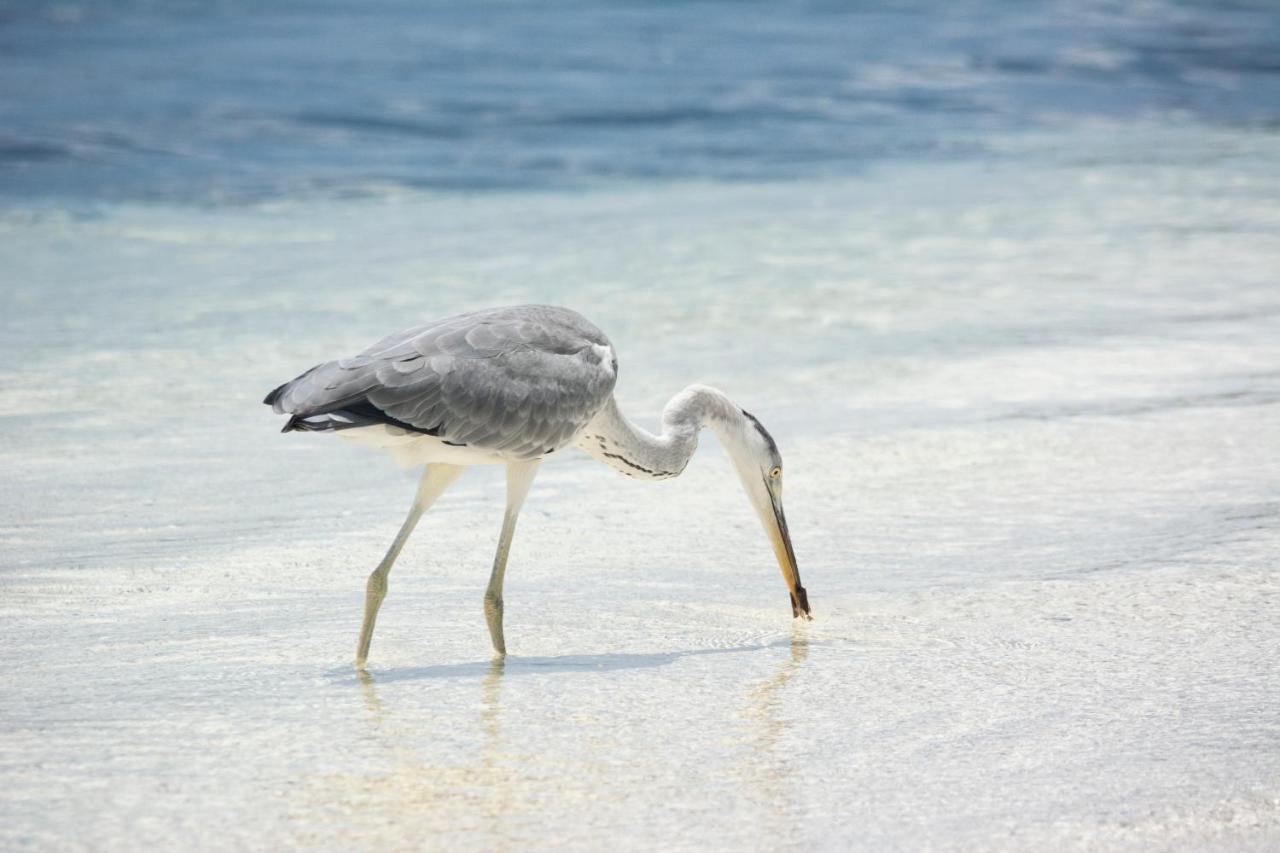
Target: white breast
414,448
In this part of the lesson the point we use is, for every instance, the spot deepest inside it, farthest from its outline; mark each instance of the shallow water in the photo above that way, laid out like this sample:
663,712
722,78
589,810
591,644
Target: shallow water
1031,475
1028,399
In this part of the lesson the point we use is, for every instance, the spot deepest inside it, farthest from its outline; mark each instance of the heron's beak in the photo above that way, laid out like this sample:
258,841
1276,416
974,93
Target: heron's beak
775,523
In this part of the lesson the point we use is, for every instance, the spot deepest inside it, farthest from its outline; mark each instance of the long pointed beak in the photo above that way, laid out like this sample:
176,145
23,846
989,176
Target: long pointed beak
776,525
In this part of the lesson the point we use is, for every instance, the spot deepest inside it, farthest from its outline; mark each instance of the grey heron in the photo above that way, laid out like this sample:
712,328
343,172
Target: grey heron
511,386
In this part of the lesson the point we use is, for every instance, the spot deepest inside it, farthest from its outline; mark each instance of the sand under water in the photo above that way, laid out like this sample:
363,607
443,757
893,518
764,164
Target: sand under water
1029,416
1000,278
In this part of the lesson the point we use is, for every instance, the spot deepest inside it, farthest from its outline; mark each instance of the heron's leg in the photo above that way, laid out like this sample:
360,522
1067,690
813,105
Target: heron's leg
519,478
435,480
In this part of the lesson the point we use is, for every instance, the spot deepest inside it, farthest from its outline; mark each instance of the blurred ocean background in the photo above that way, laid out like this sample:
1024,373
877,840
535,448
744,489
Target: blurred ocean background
233,102
1002,278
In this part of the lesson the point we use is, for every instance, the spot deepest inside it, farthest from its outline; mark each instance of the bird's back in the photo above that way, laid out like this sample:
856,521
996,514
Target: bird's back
518,382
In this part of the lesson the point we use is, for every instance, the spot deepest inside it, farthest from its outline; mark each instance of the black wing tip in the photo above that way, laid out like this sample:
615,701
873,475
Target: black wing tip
298,423
270,399
358,414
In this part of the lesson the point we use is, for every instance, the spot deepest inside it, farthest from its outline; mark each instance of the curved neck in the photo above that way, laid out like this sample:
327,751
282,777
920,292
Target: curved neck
632,450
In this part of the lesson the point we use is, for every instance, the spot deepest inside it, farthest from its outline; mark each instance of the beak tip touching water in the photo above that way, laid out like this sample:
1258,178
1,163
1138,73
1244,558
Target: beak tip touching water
768,503
800,604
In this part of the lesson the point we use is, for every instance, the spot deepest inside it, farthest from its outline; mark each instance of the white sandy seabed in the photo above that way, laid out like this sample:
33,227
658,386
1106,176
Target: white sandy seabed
1031,420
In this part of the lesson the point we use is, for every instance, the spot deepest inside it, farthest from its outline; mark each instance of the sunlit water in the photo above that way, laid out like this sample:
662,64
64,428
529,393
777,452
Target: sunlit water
1025,378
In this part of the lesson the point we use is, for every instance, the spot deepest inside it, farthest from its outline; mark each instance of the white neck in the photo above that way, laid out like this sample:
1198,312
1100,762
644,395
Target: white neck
622,445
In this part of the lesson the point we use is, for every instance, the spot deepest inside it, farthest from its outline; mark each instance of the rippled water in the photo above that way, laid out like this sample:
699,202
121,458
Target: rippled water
208,102
1001,280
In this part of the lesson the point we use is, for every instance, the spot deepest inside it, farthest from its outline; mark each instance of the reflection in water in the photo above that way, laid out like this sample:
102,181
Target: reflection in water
493,698
372,703
500,798
465,749
767,767
475,798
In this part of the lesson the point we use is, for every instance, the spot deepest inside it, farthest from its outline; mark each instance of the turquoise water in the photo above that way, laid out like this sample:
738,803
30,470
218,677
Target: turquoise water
1000,279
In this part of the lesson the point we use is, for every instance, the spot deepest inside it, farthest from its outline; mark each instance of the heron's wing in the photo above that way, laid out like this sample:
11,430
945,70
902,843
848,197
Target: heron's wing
520,380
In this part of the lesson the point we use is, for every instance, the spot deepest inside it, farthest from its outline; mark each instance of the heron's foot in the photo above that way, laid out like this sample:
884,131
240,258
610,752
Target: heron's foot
493,615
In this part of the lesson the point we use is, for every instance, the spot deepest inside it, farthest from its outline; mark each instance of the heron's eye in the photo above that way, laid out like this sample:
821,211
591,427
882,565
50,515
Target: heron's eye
776,473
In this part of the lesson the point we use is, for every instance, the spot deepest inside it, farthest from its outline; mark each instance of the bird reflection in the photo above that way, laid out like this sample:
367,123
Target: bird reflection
372,702
477,775
499,803
492,692
768,767
477,795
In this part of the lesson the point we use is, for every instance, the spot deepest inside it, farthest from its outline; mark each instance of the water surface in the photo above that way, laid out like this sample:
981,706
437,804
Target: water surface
1000,278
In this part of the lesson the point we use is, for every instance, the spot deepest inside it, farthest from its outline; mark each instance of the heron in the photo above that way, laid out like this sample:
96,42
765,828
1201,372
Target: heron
512,386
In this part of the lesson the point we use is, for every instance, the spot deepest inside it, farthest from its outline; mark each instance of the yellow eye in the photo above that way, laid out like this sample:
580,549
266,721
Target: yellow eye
776,473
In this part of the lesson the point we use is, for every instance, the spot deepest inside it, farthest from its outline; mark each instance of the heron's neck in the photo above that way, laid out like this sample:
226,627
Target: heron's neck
634,451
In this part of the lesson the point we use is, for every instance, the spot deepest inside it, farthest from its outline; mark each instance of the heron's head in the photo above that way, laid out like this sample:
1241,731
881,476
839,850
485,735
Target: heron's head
759,465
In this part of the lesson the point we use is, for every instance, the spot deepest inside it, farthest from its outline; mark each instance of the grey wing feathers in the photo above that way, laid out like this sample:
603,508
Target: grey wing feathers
521,381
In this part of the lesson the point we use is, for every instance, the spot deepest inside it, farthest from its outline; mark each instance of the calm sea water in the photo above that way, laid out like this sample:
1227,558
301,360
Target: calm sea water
1001,278
235,101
